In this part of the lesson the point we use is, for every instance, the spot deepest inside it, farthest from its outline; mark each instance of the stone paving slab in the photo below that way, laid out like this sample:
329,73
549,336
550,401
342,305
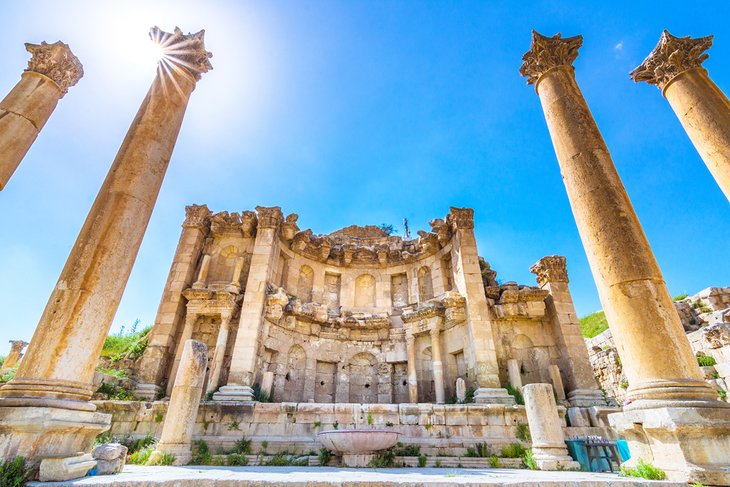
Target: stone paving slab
136,476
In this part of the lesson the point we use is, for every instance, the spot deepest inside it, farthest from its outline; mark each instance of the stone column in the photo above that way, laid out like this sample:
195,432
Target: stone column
220,353
58,368
548,444
200,282
411,366
468,282
438,368
177,432
160,349
264,259
513,372
557,382
657,359
235,285
186,334
16,352
52,70
552,275
675,66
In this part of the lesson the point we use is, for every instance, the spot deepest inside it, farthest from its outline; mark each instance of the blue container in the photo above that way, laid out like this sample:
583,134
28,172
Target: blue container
577,451
623,450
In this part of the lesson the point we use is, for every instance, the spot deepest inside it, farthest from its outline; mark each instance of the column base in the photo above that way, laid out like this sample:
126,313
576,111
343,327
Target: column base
68,468
358,461
181,452
583,398
148,392
554,458
487,395
39,432
690,444
234,393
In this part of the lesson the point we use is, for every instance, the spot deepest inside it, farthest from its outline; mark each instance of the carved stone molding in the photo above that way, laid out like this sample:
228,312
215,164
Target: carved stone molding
248,223
269,216
197,216
186,51
57,62
671,57
548,52
550,269
223,223
461,218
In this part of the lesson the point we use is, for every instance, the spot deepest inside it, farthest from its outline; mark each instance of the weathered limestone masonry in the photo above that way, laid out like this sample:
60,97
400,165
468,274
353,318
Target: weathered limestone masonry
358,316
672,410
16,353
44,410
675,66
52,70
177,432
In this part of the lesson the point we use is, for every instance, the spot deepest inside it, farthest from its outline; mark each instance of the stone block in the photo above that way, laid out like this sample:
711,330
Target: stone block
110,458
65,468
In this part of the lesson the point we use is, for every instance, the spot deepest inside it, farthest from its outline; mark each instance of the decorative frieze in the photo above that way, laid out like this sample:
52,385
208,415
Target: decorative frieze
57,62
223,223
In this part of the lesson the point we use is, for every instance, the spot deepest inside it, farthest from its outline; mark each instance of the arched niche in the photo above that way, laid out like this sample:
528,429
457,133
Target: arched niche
296,362
363,379
222,264
304,285
425,284
365,291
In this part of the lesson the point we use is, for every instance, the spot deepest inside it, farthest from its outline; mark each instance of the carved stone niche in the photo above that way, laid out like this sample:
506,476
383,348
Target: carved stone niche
520,302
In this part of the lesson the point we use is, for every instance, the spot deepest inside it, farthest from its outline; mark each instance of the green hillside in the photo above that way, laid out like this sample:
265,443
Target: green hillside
593,324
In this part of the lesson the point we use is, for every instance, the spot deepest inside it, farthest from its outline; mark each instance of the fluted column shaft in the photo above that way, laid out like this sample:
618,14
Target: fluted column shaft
411,366
438,367
187,333
656,355
201,281
29,105
219,353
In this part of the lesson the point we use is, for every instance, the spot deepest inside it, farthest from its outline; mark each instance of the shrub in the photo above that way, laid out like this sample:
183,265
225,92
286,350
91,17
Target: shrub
644,470
7,376
401,450
705,360
680,297
519,399
479,450
141,456
285,459
236,460
383,459
115,392
259,395
317,424
494,462
515,450
593,324
200,454
528,460
624,384
242,446
121,346
722,394
324,456
13,472
118,373
422,459
163,459
523,432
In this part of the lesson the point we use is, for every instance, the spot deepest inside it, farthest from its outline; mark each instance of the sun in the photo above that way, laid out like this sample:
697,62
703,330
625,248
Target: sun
154,52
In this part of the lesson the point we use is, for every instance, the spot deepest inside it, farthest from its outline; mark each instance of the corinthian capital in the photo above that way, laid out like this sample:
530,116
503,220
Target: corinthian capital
186,51
671,57
548,52
197,216
269,216
550,269
57,62
461,218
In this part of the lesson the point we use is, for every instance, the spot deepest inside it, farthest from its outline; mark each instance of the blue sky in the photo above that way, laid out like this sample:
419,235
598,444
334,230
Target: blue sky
360,112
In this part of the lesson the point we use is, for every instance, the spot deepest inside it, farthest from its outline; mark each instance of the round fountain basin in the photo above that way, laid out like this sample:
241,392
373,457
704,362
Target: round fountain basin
354,442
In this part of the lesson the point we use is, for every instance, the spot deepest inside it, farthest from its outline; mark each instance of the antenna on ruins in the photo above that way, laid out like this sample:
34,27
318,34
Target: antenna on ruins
407,233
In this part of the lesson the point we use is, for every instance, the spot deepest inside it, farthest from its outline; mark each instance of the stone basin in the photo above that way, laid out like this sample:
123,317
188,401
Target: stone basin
358,447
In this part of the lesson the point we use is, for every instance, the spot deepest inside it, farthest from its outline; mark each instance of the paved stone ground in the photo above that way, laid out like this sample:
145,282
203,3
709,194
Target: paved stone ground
135,476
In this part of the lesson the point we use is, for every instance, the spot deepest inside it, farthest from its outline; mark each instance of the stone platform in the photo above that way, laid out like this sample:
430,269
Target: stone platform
135,476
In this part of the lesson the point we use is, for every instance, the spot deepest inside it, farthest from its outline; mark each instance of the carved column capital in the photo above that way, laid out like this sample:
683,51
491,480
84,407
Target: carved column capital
552,268
197,216
461,218
671,57
269,216
57,62
547,53
183,51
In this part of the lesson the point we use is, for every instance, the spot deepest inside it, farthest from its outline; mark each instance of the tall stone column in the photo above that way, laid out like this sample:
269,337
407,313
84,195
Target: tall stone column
56,374
177,432
552,275
264,259
160,349
657,359
186,334
411,369
16,352
438,367
468,282
52,70
220,353
675,66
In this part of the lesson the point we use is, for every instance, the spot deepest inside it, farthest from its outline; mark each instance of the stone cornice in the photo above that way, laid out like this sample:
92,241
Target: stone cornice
547,53
57,62
223,223
197,216
671,57
269,216
552,268
186,51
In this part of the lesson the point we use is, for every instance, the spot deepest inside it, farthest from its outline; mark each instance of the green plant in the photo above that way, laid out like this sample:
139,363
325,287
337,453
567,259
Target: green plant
206,423
234,426
200,453
428,426
389,424
528,460
437,464
115,392
130,346
159,417
722,394
142,455
242,446
624,384
118,373
13,472
523,432
335,425
370,419
644,470
324,456
515,450
680,297
697,484
162,459
383,459
317,424
422,459
401,450
593,324
705,360
479,450
469,398
516,393
494,462
236,460
7,376
259,395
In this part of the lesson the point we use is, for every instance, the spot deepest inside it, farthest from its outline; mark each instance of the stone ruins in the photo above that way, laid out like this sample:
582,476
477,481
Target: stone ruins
274,334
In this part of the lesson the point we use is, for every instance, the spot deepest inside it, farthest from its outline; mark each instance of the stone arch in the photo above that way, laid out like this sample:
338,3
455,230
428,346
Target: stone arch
222,264
363,378
365,291
294,373
305,283
425,284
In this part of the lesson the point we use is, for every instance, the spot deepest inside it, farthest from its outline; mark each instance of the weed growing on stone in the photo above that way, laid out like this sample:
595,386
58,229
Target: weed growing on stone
324,456
528,460
515,450
13,472
644,470
517,394
422,459
200,454
236,460
523,432
242,446
494,462
164,459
